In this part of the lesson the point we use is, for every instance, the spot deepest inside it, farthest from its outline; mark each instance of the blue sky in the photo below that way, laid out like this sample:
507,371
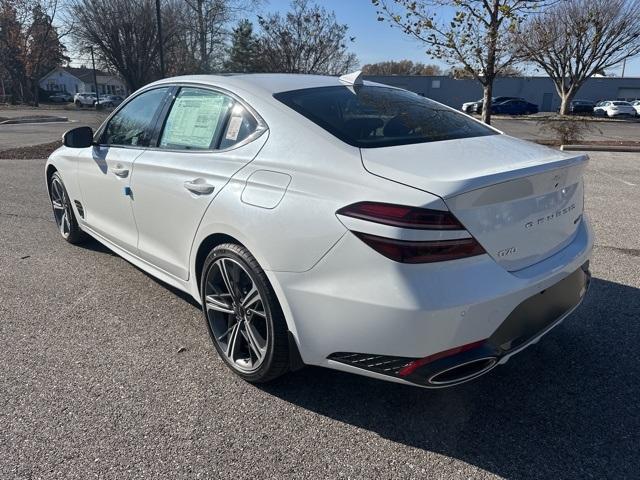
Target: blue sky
377,41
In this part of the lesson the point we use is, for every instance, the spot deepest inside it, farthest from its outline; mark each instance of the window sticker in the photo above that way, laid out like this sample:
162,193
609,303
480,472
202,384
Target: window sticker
193,120
234,128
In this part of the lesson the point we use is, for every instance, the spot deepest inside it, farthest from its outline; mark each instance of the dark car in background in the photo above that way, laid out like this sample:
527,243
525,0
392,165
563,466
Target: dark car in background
476,107
581,107
514,107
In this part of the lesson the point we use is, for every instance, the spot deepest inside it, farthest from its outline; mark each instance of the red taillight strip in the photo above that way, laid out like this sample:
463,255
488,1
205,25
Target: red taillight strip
402,216
422,252
413,366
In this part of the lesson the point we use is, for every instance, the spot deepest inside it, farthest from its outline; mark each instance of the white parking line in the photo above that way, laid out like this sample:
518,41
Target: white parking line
616,178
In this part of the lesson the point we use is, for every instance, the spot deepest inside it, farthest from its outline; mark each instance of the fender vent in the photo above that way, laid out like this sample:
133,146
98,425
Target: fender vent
376,363
80,208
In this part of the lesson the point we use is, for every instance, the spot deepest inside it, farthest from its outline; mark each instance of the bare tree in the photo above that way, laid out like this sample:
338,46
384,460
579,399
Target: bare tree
124,34
401,67
307,39
477,37
576,39
205,25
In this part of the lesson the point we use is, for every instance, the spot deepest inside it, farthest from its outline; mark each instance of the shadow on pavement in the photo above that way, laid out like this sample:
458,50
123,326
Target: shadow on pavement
567,407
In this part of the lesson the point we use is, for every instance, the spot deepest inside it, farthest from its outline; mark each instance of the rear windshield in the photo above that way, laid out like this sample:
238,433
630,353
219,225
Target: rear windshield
370,116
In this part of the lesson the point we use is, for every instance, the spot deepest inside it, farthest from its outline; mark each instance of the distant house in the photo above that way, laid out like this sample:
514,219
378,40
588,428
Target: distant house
80,80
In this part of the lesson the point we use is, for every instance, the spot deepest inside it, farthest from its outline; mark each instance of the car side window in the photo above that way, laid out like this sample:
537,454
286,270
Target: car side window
195,120
241,124
132,125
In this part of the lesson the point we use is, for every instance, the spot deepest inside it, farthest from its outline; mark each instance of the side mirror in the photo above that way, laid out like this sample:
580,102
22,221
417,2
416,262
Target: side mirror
81,137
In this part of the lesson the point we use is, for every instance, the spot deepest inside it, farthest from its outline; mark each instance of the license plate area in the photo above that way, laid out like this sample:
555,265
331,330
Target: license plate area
539,312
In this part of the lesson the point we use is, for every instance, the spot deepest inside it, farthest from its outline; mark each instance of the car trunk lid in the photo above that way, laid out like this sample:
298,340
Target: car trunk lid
521,201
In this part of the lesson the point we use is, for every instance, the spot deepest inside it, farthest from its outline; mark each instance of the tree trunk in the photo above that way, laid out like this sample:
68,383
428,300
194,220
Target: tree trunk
486,102
202,39
564,104
565,100
490,69
36,94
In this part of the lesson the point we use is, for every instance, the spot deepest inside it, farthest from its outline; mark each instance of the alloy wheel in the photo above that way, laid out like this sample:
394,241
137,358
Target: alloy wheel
61,207
236,314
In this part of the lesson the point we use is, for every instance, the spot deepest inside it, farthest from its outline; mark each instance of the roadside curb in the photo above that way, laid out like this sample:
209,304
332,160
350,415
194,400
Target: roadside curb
601,148
16,121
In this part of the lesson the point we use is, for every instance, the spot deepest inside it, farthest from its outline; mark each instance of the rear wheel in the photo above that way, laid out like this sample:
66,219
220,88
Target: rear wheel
244,318
63,211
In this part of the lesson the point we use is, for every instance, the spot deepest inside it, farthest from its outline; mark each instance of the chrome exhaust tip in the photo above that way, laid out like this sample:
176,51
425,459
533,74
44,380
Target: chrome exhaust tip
463,372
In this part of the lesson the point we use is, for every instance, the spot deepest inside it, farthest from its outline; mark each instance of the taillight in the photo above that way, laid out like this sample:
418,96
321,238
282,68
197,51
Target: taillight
403,251
422,252
401,216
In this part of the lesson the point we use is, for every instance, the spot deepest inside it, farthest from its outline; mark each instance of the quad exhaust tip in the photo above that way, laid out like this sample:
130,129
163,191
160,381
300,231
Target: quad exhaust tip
463,372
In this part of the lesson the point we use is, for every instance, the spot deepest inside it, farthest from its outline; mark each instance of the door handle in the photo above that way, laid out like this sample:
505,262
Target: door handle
120,171
199,186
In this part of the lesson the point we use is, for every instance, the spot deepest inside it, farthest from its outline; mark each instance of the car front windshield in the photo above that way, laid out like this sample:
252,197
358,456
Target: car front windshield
373,116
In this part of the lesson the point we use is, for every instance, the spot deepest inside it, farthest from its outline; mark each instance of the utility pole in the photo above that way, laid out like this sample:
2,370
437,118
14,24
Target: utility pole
95,78
160,48
624,65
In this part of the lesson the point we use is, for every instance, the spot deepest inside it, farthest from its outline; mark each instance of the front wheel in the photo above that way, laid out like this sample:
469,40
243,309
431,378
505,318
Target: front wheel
244,318
63,211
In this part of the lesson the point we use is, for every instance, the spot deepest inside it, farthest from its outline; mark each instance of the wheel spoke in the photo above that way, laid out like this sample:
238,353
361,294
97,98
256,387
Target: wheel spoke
257,312
64,223
251,335
214,302
57,205
56,190
226,278
232,340
225,334
250,298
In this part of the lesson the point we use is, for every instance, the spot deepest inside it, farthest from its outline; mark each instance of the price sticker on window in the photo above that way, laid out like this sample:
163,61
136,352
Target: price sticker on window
234,128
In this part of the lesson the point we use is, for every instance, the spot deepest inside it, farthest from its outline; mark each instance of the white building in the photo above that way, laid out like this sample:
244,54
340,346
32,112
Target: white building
80,80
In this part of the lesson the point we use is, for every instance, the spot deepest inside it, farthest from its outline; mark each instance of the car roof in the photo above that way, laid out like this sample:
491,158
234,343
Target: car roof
262,83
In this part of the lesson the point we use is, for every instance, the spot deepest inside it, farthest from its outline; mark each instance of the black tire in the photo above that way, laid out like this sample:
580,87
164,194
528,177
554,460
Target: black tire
60,198
276,359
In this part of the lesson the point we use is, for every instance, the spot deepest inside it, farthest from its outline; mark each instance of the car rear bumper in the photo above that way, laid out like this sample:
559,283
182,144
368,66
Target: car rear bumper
355,301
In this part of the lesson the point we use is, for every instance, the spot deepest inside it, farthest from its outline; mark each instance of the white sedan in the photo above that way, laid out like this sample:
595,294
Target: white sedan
334,222
614,108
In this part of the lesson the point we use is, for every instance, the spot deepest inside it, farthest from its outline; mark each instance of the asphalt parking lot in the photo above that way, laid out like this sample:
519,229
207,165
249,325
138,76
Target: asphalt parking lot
107,373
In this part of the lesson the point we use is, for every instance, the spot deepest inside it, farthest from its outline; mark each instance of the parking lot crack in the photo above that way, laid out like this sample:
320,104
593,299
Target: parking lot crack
18,215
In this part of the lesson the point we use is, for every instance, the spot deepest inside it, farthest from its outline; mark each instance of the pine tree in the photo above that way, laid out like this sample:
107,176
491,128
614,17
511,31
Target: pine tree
242,53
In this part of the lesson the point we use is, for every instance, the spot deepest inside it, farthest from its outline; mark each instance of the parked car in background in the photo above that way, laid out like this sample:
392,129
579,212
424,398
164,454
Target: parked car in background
636,107
577,107
110,101
85,99
614,108
476,107
334,222
62,97
514,107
